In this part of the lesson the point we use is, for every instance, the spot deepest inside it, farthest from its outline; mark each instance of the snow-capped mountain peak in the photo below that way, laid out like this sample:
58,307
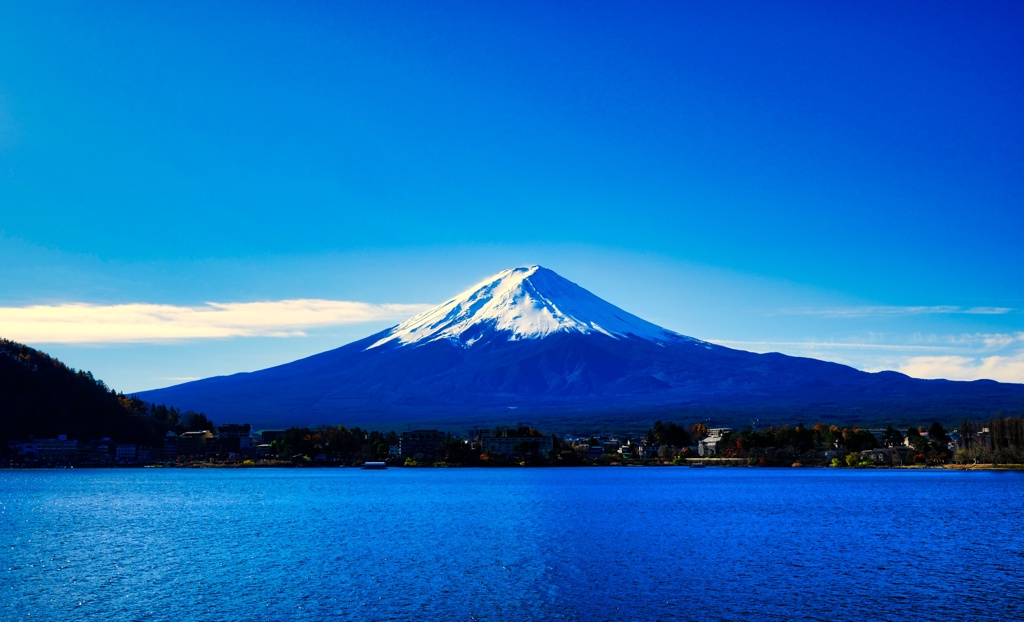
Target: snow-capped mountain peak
523,303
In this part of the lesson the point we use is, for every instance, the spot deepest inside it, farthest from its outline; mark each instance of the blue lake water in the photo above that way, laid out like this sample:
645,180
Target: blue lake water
511,544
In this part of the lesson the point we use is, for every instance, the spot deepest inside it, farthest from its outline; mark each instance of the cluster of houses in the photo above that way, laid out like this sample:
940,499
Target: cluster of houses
903,454
64,451
235,442
427,445
228,442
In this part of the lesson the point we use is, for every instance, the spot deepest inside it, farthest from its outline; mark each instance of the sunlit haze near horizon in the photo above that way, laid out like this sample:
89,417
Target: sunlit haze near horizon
193,189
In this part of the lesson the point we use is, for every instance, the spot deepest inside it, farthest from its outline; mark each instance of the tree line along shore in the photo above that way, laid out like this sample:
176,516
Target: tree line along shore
195,441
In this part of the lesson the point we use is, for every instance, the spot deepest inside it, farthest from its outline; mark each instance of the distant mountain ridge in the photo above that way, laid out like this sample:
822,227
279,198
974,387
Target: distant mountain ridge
529,345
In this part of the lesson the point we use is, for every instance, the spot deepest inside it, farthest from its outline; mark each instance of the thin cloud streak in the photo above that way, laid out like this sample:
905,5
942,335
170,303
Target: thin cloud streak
980,342
979,356
880,310
82,323
762,345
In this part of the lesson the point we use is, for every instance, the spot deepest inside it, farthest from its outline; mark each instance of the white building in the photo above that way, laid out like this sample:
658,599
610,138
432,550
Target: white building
709,446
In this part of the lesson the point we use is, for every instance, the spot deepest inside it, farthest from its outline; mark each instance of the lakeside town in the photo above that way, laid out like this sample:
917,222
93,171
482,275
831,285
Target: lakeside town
56,416
997,441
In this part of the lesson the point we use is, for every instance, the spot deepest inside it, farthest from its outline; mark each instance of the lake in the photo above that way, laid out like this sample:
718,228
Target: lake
511,544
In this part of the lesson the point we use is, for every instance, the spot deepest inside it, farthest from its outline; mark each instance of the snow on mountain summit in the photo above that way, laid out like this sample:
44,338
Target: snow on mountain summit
523,303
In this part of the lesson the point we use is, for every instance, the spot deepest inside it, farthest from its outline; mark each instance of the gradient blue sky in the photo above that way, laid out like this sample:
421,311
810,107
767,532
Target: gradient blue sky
835,180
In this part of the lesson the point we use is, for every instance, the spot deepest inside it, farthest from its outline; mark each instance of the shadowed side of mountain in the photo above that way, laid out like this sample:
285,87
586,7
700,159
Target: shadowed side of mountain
573,379
528,344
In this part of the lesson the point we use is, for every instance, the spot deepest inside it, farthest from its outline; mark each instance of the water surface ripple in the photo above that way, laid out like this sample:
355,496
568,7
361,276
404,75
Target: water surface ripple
511,544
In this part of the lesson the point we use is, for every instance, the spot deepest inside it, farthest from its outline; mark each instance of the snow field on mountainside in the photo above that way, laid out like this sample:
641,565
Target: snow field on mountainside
524,303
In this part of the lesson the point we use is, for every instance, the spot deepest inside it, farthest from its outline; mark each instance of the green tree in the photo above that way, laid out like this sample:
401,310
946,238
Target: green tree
937,435
892,437
698,431
457,451
858,439
529,449
669,434
193,422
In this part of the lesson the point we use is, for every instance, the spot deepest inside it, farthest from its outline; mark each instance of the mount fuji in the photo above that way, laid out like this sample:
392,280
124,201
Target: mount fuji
529,345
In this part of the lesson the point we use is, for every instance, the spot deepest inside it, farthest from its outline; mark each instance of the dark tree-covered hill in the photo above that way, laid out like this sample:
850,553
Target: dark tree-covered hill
42,397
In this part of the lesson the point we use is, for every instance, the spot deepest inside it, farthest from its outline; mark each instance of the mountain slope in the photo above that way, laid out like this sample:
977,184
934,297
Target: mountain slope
529,345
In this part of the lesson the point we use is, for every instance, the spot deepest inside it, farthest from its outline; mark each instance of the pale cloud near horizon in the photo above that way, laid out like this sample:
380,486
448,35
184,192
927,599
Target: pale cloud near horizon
882,310
974,356
967,356
83,323
1001,368
766,346
883,341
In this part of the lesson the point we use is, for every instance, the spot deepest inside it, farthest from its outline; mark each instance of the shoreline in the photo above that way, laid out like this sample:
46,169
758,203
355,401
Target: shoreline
984,467
287,465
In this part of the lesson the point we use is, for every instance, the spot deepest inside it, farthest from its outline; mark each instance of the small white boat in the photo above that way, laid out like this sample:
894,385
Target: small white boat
375,466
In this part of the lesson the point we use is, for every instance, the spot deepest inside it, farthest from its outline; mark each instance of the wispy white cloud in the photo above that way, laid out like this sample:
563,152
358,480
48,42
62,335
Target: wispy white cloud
972,356
766,346
882,310
980,342
143,322
1001,368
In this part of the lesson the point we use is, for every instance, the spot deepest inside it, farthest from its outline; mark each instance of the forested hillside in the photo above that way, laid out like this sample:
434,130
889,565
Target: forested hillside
42,397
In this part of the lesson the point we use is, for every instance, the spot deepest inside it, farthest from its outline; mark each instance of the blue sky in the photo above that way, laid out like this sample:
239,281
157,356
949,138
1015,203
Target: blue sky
843,182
